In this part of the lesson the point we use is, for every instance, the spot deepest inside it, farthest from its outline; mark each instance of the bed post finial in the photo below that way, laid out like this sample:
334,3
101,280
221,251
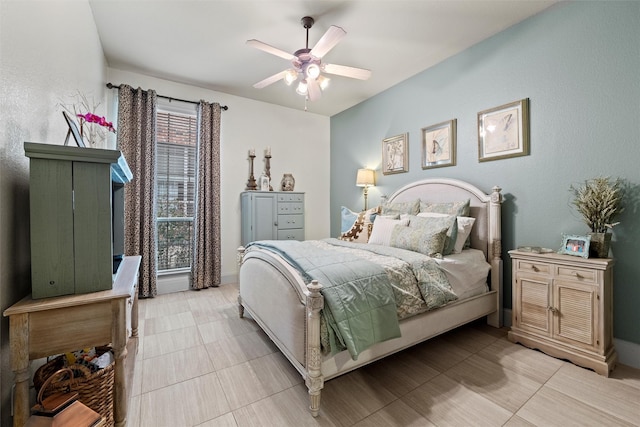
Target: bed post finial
239,255
314,380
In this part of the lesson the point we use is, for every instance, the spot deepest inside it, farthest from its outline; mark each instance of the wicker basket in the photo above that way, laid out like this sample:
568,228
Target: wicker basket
95,389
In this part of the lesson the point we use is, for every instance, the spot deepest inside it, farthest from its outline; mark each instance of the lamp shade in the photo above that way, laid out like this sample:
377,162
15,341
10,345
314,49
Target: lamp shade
366,178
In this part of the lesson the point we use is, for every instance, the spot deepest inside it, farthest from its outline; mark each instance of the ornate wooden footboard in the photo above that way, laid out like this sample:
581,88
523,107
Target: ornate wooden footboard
288,310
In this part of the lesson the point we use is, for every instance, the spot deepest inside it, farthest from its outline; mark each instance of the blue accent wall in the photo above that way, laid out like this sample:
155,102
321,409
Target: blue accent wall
579,65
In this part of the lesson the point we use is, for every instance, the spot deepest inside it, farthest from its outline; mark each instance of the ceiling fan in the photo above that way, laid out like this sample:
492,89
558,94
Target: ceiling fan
307,63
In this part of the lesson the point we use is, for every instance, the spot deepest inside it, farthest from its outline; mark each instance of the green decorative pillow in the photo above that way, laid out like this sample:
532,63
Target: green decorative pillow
428,241
398,208
437,220
450,208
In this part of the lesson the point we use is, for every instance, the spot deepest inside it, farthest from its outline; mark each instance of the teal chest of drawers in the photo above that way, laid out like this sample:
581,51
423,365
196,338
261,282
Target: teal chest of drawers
272,215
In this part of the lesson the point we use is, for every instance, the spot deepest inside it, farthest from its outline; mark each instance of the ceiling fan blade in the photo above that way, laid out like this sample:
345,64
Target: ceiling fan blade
343,70
270,49
313,89
328,41
270,80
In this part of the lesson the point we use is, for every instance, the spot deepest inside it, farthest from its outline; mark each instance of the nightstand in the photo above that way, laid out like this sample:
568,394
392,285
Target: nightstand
563,306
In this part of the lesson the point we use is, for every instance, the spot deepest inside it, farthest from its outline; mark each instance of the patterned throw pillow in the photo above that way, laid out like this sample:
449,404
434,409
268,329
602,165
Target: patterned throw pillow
398,208
464,223
356,226
451,208
461,208
428,241
439,219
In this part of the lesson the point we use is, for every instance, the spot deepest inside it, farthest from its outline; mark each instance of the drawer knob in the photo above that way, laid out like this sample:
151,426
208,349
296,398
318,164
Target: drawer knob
534,268
575,273
551,309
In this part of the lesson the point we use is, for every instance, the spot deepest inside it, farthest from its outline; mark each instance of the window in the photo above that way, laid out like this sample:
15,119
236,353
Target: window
176,152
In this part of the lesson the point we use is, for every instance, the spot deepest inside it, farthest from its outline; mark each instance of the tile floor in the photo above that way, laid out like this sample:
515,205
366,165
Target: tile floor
199,364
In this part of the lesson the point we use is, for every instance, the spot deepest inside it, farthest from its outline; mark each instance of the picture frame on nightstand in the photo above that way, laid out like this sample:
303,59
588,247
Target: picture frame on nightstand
575,245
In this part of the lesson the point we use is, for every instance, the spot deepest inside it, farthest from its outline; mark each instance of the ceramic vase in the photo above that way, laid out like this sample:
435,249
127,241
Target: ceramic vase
288,182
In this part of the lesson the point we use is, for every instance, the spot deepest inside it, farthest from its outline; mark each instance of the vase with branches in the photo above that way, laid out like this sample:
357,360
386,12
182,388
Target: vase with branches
93,128
599,202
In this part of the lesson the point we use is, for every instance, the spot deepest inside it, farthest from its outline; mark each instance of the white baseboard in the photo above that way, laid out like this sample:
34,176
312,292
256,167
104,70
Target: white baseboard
231,278
179,282
171,283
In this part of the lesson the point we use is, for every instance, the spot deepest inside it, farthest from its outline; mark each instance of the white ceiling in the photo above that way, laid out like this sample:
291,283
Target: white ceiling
202,43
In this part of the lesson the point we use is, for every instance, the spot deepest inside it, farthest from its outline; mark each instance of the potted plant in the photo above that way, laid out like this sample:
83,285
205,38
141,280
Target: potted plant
599,201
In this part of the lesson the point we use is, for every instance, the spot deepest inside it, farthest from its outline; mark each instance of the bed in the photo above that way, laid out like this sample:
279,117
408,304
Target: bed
289,308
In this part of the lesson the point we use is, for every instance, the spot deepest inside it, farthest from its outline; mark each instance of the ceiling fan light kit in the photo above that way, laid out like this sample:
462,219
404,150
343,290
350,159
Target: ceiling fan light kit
307,63
302,88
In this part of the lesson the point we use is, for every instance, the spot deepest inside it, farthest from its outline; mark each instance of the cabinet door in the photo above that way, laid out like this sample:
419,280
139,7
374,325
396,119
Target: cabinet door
264,217
576,311
92,227
533,303
51,198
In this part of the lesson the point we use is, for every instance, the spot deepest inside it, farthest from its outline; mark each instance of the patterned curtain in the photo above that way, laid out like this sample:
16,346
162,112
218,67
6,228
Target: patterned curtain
136,140
205,268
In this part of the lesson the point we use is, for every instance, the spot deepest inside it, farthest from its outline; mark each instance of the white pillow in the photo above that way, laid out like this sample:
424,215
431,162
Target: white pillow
382,229
465,224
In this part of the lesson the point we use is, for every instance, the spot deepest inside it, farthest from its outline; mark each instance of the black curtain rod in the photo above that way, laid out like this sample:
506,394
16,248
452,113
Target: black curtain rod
222,107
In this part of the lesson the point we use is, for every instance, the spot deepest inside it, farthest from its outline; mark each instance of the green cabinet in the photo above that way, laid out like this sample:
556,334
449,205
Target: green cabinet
71,217
272,215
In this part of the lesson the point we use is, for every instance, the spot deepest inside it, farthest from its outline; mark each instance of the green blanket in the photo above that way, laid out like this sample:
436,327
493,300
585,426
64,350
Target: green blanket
360,307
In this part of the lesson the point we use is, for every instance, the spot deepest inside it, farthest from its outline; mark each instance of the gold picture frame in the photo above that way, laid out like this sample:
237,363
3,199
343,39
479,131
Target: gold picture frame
439,145
503,132
395,154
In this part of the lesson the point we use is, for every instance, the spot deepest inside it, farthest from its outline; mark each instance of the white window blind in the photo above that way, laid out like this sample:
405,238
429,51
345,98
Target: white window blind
176,138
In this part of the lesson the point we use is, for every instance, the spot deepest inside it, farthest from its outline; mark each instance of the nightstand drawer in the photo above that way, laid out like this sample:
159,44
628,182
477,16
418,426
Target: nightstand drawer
585,276
533,267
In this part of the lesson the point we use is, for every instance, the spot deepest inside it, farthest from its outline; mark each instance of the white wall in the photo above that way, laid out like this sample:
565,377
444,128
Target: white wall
299,144
48,52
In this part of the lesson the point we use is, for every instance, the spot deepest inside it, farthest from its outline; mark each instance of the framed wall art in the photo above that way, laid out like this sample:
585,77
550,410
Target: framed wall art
439,145
503,131
395,154
575,245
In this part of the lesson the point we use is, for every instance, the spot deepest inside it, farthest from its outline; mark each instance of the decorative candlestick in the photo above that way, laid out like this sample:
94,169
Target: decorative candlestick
267,167
251,184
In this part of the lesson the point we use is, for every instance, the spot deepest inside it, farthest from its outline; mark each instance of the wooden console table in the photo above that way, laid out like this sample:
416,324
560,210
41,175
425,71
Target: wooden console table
44,327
